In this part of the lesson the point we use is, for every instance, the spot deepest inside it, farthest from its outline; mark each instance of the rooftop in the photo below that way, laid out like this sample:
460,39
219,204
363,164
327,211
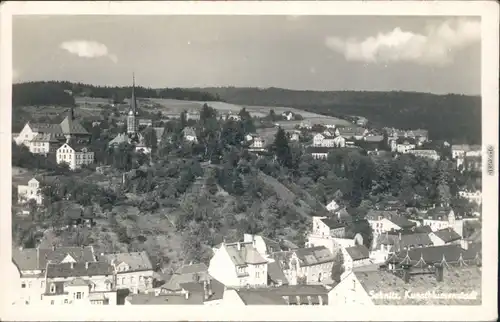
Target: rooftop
358,252
455,280
136,261
447,235
244,253
79,269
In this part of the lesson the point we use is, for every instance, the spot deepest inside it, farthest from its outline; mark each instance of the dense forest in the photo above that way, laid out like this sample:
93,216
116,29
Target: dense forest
455,118
63,93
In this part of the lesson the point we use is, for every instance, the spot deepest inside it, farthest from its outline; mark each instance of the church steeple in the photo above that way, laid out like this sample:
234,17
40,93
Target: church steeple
132,114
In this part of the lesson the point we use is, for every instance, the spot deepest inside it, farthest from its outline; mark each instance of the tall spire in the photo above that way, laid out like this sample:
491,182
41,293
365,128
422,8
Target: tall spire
133,102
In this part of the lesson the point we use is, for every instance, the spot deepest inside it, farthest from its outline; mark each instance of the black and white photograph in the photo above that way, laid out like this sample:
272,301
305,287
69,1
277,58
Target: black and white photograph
259,160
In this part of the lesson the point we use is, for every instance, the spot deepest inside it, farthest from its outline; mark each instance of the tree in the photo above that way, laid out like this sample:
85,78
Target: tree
282,149
150,138
338,267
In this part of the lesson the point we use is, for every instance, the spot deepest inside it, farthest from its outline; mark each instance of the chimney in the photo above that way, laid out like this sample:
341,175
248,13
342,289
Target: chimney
186,295
439,273
205,290
238,245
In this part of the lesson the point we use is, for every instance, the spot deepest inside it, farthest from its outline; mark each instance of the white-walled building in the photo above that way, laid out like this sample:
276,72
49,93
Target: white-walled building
355,256
405,147
472,196
332,206
311,265
382,221
75,155
330,233
429,154
257,144
134,270
30,191
238,265
444,237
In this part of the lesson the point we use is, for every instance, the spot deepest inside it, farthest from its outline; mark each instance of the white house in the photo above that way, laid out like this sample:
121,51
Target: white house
382,221
319,152
459,151
310,265
355,256
190,135
287,115
30,191
44,143
429,154
134,270
75,155
332,206
330,233
472,196
444,237
441,217
257,144
405,147
238,265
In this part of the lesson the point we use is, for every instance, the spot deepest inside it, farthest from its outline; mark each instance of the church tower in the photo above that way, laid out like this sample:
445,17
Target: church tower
132,124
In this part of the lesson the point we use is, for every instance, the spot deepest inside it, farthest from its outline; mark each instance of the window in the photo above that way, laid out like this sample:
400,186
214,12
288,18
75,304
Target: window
65,301
23,285
52,302
52,288
78,295
123,280
257,274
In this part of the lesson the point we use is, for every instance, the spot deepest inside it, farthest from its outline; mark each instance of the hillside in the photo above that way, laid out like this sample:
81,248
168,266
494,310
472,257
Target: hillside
451,117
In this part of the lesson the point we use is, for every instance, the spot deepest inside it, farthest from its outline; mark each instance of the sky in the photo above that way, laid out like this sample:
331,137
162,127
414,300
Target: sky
375,53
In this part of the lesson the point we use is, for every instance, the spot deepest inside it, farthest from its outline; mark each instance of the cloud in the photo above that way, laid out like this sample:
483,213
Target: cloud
434,47
88,49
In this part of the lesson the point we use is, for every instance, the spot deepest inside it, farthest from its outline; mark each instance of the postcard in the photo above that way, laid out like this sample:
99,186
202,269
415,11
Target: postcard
249,160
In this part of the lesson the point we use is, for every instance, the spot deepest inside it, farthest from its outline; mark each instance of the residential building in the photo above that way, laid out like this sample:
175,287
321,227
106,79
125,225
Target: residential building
193,115
352,133
288,115
404,146
382,221
79,283
78,217
471,163
311,265
355,256
265,246
319,152
74,154
283,295
194,292
472,196
305,125
385,287
295,136
44,143
326,139
257,144
459,151
387,244
189,134
145,122
332,206
197,272
443,217
330,233
32,264
30,191
238,265
45,135
429,154
419,135
134,270
444,237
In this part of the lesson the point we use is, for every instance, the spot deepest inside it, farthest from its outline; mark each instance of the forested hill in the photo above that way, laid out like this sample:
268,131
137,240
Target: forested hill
63,93
452,117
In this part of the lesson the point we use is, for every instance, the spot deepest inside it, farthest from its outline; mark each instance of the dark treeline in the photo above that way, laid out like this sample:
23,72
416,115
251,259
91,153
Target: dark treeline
63,93
452,117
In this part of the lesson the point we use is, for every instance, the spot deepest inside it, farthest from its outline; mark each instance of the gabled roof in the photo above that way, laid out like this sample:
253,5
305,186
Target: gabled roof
136,261
45,128
332,223
447,235
407,240
435,254
358,252
77,146
275,273
192,268
79,254
78,282
25,259
72,126
119,139
79,269
247,254
46,137
284,295
314,255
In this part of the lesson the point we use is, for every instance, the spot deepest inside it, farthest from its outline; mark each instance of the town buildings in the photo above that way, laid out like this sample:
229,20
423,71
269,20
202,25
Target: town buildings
75,154
30,191
238,265
472,196
429,154
134,270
